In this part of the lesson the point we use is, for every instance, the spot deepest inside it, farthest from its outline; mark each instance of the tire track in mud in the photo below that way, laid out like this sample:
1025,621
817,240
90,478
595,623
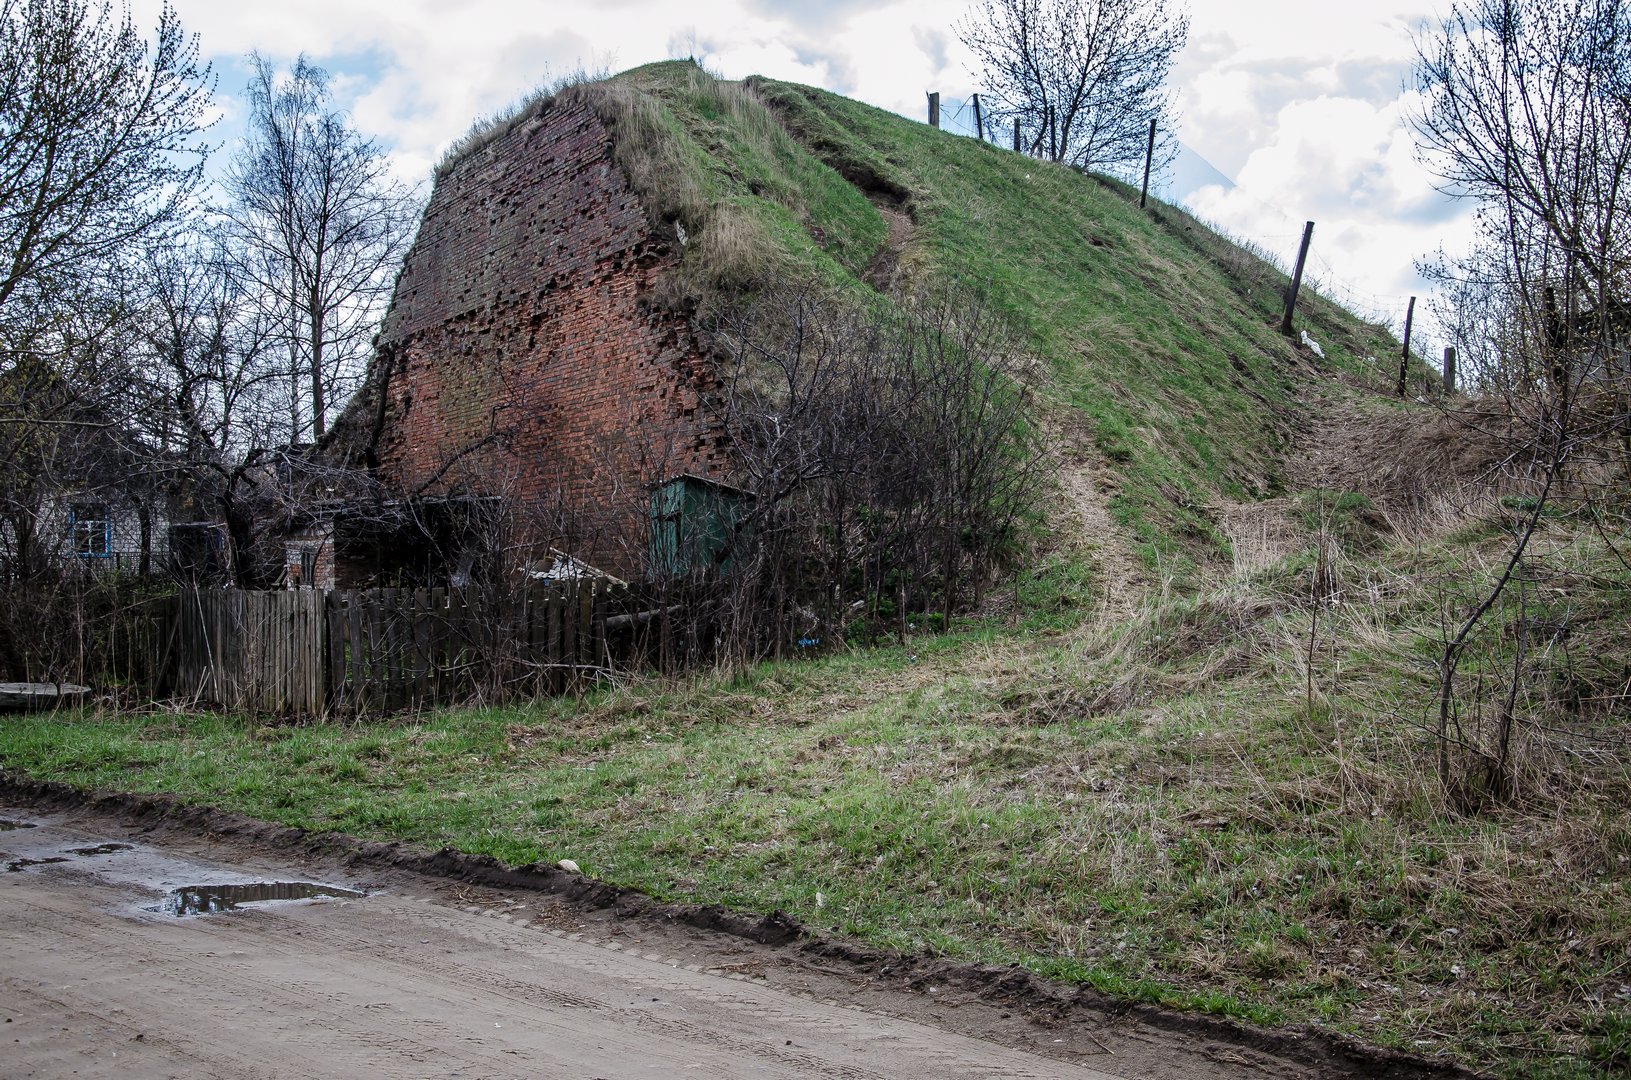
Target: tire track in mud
33,1006
763,1007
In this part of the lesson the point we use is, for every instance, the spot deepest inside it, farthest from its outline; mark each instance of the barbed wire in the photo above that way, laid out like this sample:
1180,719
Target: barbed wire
957,117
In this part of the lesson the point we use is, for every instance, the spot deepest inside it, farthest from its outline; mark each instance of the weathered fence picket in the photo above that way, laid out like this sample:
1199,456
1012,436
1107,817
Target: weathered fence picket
252,650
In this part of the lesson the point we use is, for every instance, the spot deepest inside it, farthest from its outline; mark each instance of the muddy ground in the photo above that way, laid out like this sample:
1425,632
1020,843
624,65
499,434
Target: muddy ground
448,965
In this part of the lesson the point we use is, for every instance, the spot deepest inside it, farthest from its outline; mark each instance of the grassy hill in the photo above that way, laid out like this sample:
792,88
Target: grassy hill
1165,372
1188,758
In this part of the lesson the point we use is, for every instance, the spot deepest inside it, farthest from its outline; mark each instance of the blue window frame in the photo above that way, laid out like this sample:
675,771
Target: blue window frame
91,530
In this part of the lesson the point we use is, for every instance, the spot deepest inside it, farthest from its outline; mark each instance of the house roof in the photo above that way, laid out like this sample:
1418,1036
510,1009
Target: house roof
708,481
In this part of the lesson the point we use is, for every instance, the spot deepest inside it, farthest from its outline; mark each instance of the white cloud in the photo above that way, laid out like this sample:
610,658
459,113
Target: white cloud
1349,166
428,68
1305,107
1300,103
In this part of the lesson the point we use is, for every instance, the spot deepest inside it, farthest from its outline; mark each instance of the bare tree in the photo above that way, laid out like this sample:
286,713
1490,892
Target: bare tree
322,226
99,151
99,160
1084,78
210,392
101,155
883,466
206,379
1526,108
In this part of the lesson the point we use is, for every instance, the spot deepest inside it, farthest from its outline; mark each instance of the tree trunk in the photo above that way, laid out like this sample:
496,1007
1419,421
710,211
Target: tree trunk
314,319
294,354
144,519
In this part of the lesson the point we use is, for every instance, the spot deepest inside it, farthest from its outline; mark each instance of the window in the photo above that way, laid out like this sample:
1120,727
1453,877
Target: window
91,530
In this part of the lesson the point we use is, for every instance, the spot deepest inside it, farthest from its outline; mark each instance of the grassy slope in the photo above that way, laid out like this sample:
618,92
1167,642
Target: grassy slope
1149,806
1189,390
1158,332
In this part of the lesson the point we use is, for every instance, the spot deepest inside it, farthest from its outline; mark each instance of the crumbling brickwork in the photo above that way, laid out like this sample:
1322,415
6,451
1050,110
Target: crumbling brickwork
524,358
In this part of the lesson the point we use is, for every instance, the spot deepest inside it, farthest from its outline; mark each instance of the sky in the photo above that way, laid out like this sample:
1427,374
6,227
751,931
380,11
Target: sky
1288,111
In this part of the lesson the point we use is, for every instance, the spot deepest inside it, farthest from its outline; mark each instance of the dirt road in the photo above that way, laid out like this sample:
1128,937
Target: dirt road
95,982
107,969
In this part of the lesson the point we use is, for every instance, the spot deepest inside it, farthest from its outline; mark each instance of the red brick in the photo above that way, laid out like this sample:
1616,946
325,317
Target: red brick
521,318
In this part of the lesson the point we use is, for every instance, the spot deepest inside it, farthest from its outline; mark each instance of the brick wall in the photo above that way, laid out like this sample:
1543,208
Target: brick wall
311,548
523,352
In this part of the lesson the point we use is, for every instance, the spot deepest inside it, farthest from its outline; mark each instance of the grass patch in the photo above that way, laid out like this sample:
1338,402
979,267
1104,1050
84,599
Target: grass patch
1225,801
1157,330
1145,806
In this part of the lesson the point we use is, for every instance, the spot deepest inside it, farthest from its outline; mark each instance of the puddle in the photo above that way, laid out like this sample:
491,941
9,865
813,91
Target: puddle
99,849
207,899
6,825
83,852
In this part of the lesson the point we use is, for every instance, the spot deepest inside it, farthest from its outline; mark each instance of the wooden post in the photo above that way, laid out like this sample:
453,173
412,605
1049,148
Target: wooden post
1449,369
934,109
1404,354
334,667
1053,136
1149,156
1297,278
1016,134
979,121
557,633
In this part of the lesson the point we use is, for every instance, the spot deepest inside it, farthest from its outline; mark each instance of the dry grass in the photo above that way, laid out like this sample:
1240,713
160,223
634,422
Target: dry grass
1224,800
486,130
751,204
714,170
734,253
1145,804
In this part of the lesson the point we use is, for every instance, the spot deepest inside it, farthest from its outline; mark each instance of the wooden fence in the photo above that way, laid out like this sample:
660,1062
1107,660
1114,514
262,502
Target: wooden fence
257,651
305,651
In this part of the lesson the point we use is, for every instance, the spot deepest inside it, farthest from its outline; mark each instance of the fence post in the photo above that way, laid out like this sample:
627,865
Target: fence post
1297,278
1404,354
1149,156
334,637
934,109
1016,135
361,657
603,646
1449,369
979,121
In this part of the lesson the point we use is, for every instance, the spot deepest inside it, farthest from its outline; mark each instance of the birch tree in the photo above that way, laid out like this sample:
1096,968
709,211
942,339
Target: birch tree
323,226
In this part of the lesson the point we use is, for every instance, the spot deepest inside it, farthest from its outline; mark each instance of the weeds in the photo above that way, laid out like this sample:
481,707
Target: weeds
1225,800
1149,806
